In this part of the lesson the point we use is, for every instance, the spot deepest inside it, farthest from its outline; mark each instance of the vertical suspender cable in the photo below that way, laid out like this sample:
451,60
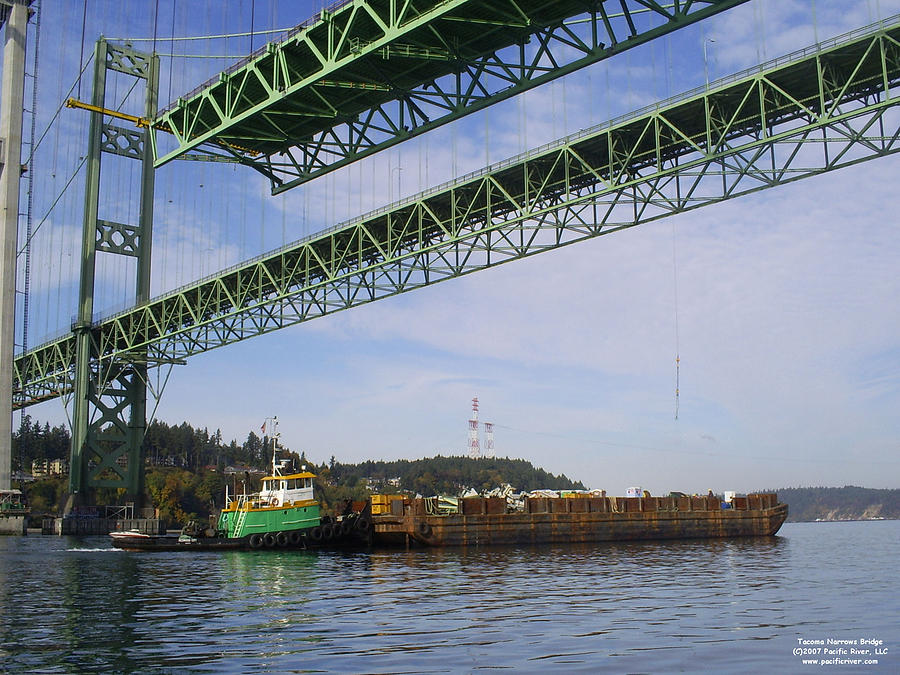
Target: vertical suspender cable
252,16
172,51
54,169
815,24
28,209
758,29
675,293
487,133
553,115
30,180
155,25
81,53
162,258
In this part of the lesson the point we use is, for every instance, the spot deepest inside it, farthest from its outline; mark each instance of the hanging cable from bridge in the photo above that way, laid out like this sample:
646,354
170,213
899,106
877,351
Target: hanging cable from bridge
675,293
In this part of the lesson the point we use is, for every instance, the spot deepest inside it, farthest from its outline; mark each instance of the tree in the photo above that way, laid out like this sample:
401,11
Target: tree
33,441
253,449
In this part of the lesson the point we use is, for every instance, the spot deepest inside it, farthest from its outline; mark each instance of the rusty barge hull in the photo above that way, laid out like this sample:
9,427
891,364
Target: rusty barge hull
566,521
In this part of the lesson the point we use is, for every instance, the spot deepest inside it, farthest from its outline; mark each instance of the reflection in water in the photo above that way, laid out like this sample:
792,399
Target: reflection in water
729,605
574,604
96,608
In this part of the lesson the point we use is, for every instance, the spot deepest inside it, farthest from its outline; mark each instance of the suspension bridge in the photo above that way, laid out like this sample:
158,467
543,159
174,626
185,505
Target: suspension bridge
366,75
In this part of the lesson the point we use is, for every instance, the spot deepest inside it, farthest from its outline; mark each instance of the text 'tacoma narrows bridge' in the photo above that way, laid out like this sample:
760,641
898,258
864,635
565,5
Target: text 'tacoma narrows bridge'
366,75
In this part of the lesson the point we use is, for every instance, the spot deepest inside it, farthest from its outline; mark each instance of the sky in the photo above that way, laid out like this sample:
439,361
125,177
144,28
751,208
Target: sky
782,306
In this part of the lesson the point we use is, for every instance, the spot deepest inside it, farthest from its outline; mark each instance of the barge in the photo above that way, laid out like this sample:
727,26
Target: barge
487,521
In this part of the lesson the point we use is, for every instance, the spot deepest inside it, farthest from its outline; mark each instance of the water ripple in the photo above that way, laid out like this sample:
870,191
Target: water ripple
76,606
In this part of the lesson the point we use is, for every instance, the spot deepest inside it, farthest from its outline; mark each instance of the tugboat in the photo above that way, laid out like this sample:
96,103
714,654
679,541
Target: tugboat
13,512
279,514
283,514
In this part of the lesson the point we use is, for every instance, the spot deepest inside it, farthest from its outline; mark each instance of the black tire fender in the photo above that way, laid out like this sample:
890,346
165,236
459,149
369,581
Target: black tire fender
424,529
269,540
256,541
281,539
294,537
316,533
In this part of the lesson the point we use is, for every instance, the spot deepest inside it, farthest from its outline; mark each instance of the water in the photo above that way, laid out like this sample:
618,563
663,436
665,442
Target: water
77,606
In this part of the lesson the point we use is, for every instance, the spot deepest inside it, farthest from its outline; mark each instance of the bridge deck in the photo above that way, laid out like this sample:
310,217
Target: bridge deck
372,73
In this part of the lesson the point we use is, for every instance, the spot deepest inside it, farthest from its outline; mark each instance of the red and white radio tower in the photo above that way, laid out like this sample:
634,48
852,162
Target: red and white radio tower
474,448
488,440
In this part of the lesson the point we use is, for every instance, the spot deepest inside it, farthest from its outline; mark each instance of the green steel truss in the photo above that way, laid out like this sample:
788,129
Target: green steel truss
373,73
818,110
110,395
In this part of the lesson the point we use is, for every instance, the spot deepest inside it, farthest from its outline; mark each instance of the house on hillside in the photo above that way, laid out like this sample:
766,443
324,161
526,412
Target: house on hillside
40,468
59,467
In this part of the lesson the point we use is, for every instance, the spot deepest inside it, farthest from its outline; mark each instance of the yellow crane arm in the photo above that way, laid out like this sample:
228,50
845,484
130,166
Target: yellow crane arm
142,122
134,119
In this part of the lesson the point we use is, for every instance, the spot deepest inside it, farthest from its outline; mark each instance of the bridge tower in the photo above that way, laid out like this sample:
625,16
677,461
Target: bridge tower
109,418
15,19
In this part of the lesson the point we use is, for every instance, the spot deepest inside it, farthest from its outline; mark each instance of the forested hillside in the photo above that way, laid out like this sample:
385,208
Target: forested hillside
178,445
185,472
185,475
843,503
450,475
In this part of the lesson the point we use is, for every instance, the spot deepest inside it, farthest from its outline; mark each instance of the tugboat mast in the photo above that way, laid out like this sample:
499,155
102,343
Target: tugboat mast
273,421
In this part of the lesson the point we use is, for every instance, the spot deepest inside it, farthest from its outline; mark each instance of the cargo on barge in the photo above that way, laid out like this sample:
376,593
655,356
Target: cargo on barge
486,521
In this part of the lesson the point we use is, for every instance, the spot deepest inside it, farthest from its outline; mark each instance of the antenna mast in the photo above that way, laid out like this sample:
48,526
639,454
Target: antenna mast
273,421
474,447
489,440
